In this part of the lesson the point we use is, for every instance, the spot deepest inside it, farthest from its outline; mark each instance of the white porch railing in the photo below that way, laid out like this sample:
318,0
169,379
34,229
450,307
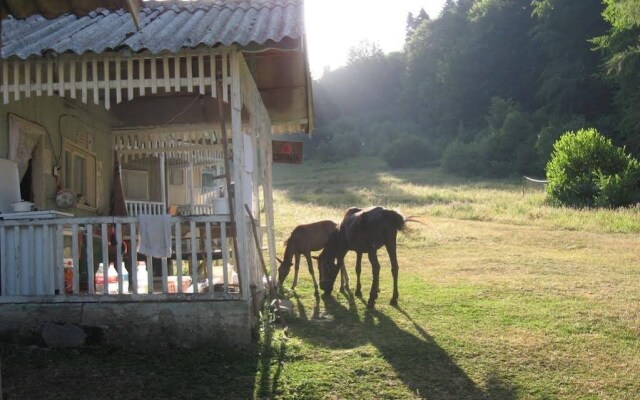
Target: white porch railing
136,207
60,257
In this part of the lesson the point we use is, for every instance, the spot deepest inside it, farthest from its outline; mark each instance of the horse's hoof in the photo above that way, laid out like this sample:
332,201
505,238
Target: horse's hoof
358,293
371,304
394,302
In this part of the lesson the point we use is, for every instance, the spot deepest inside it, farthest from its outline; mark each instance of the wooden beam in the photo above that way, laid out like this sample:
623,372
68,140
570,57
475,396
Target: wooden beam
134,9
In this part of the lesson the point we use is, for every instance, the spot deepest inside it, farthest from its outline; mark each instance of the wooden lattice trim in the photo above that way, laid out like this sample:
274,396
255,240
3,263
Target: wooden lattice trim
113,76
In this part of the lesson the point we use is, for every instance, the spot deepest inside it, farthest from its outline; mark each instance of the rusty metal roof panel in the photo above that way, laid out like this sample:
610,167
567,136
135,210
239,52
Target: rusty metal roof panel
164,26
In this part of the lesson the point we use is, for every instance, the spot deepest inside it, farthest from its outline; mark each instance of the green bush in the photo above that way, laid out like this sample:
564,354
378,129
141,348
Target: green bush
464,159
407,151
587,170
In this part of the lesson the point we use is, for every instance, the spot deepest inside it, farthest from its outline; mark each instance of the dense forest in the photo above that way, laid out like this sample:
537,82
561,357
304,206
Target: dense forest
486,87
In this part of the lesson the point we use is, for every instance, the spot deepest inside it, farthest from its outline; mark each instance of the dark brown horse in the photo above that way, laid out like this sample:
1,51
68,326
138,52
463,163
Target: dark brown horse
363,231
303,240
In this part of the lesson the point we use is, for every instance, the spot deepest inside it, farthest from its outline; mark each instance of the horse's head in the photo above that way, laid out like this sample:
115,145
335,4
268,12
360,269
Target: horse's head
327,267
283,270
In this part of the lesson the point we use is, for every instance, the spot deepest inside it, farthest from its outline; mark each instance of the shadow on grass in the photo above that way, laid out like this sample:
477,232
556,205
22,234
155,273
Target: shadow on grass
424,367
103,373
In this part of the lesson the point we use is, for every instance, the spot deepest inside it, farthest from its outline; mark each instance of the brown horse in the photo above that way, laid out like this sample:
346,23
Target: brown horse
363,231
303,240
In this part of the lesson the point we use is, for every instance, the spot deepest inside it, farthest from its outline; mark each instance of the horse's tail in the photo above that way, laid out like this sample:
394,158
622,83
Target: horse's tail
395,220
399,221
415,219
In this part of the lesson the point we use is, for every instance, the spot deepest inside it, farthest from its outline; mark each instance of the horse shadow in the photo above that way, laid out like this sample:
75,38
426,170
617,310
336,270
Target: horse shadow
424,367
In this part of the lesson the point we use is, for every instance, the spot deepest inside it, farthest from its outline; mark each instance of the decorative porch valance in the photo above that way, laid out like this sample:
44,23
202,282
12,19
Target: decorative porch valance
194,147
115,75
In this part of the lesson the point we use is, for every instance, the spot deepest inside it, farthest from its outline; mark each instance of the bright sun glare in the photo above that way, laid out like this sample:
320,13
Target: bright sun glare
334,26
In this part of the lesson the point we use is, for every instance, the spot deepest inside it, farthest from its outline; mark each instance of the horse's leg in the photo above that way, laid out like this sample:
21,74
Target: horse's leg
344,276
295,273
391,249
307,255
375,268
358,270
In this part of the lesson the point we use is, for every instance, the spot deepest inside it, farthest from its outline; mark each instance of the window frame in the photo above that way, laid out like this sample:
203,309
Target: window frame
90,193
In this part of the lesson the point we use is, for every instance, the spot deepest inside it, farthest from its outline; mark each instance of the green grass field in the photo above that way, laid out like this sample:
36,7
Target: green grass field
501,297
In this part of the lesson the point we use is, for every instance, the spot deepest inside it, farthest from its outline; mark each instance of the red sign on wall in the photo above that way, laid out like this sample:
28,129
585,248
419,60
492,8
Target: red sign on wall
286,152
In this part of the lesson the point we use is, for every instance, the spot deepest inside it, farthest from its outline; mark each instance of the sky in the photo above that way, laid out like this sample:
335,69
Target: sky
334,26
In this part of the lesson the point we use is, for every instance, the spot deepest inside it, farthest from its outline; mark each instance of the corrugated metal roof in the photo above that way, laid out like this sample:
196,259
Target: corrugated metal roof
51,9
164,26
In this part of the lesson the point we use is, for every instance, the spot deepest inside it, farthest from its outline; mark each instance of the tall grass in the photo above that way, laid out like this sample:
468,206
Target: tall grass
365,181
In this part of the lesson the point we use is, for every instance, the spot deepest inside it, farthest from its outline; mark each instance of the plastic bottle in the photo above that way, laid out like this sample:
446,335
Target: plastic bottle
100,279
68,275
125,279
142,276
113,279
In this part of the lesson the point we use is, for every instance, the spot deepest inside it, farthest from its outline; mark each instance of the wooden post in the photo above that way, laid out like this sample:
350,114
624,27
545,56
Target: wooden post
225,148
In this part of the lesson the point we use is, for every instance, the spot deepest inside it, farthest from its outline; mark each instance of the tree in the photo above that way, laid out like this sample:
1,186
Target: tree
622,49
570,82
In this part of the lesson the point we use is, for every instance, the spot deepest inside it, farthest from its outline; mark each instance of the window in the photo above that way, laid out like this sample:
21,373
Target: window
135,184
80,174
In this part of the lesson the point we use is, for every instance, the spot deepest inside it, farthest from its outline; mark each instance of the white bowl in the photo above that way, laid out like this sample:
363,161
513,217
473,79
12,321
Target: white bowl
22,206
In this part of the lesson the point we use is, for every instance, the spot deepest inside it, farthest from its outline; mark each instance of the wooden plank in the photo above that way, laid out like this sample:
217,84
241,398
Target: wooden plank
208,249
118,265
104,239
30,267
130,80
16,81
59,264
166,74
60,65
94,77
189,74
225,77
134,258
84,81
201,73
76,258
49,78
5,82
107,80
27,78
176,72
238,159
49,258
90,266
178,236
17,261
154,76
194,258
38,78
225,256
212,67
165,284
149,274
72,79
141,78
118,80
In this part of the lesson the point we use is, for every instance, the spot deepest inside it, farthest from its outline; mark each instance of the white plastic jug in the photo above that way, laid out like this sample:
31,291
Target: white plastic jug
143,277
113,279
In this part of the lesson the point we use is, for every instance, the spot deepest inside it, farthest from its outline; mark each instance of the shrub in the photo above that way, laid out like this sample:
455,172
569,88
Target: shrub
587,170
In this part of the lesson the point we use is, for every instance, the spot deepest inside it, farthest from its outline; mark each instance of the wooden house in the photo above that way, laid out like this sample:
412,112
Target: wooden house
141,133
